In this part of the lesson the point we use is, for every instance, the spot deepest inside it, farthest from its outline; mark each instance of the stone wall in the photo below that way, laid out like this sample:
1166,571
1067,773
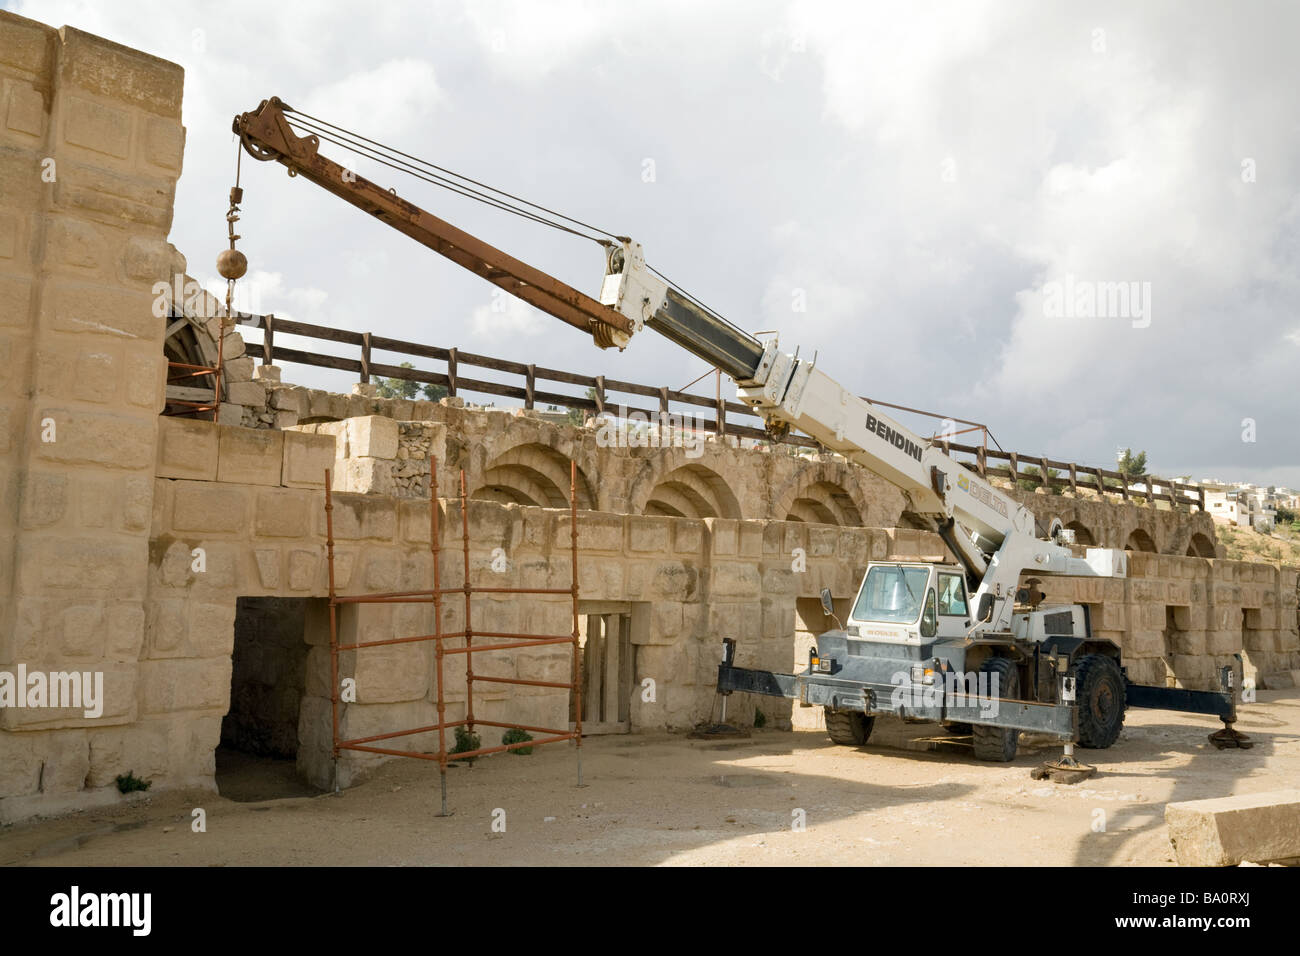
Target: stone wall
90,151
694,582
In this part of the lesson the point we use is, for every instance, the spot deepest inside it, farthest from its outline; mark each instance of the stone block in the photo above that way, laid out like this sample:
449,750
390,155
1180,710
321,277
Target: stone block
283,514
209,507
96,126
26,113
1225,831
599,532
120,73
391,673
80,563
250,456
114,441
187,449
251,394
688,536
169,686
303,568
647,534
164,143
45,499
675,581
363,476
372,436
306,457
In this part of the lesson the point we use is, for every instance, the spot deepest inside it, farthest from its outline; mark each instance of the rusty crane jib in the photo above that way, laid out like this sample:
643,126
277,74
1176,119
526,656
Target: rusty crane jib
267,135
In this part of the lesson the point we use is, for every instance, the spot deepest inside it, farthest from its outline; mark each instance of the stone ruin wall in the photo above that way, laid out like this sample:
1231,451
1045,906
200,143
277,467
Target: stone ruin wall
99,524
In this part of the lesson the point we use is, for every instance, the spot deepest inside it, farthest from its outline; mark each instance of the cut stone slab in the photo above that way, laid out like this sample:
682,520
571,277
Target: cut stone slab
1255,827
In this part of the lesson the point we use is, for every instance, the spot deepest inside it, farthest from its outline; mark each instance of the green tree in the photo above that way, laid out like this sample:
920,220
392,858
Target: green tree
578,416
1135,466
1286,516
1030,479
408,388
398,387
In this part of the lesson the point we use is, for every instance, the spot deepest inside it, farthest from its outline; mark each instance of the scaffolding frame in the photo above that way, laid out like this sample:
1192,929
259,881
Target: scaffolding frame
435,596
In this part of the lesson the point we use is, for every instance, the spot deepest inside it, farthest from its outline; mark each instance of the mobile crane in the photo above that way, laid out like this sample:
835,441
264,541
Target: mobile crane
962,642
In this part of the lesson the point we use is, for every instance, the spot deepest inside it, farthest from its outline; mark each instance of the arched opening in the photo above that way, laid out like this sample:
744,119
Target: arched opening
1139,540
1200,546
1082,535
188,349
693,491
811,511
824,502
532,474
910,519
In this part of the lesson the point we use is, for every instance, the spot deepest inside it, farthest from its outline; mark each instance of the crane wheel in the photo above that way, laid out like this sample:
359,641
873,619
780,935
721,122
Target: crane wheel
848,728
998,743
1099,696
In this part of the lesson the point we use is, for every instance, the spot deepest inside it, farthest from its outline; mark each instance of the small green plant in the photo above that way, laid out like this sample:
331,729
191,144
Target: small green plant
128,782
760,718
516,736
466,740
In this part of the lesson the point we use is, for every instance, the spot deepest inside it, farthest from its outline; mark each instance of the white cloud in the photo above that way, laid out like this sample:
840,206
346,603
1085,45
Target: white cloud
921,171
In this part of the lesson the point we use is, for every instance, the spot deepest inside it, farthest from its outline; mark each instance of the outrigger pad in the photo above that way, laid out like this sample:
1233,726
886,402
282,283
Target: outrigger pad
716,731
1229,739
1063,770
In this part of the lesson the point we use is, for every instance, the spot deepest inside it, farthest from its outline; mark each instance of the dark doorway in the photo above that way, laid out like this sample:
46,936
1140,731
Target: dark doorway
259,734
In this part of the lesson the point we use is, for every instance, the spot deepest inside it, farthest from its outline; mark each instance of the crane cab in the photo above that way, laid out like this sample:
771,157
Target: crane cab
910,603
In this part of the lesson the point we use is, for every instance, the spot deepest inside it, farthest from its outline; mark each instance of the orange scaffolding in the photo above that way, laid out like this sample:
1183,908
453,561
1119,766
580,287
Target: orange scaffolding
440,638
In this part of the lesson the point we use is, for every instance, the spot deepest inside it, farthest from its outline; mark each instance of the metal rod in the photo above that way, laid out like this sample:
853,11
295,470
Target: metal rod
448,635
469,631
506,647
573,563
520,680
334,632
435,551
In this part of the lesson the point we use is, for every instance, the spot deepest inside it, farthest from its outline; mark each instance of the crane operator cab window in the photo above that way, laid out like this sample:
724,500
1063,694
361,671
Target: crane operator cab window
952,595
892,594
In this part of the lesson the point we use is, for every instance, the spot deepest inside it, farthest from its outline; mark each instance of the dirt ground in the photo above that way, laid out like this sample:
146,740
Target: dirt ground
666,799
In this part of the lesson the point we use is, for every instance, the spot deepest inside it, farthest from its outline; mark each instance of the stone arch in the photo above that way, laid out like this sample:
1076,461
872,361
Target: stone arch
1140,540
1200,546
191,327
692,491
822,495
532,473
910,519
1082,533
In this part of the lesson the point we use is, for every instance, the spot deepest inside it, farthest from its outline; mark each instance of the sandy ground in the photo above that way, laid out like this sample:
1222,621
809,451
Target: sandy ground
666,799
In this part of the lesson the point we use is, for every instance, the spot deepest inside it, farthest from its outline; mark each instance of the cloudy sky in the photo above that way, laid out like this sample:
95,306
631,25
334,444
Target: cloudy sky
943,187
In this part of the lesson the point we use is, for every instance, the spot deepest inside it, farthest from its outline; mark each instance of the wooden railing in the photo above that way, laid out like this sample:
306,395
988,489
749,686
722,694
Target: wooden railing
725,413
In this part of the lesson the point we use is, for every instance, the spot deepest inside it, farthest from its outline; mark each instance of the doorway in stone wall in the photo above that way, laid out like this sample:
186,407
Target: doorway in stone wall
607,657
809,622
256,759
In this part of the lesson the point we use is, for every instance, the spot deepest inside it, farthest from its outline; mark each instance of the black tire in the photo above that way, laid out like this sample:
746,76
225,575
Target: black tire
1099,695
848,727
998,743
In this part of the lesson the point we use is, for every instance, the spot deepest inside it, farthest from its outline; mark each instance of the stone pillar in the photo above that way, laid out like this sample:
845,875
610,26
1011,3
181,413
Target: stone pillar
92,146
